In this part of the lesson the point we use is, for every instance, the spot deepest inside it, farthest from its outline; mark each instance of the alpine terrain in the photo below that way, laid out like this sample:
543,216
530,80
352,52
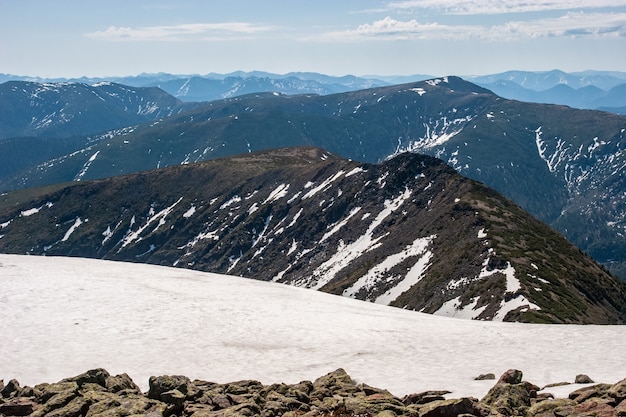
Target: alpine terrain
565,166
409,232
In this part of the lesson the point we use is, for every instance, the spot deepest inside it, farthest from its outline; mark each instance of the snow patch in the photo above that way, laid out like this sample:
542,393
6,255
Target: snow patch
375,275
345,254
73,228
190,212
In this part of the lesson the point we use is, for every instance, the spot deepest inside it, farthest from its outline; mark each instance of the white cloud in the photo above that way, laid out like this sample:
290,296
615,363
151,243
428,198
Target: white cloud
182,32
579,24
499,6
596,25
392,29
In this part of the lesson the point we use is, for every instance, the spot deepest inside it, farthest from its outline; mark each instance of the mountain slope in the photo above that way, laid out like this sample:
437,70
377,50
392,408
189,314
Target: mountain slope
63,110
565,166
409,232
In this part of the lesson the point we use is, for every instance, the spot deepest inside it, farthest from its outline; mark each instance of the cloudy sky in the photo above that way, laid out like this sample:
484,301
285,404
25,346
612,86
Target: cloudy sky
72,38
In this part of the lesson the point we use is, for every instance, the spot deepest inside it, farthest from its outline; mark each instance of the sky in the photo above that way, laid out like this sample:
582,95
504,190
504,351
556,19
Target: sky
64,316
96,38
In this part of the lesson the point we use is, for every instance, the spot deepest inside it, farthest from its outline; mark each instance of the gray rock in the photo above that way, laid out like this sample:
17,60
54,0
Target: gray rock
18,407
483,377
583,379
512,376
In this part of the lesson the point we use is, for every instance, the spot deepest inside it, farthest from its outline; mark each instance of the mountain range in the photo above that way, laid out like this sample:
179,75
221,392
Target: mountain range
602,90
563,165
409,232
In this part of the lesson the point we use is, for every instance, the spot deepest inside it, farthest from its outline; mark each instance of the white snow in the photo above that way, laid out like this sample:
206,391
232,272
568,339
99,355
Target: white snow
278,193
63,316
452,308
34,210
345,254
354,171
153,217
71,230
375,274
323,186
30,212
86,166
334,228
482,234
235,199
189,212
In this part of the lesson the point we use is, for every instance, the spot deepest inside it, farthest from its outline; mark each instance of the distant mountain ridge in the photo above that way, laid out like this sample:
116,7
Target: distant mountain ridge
63,110
602,90
409,232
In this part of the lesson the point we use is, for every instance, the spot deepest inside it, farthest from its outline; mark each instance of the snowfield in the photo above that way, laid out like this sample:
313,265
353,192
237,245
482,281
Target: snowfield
63,316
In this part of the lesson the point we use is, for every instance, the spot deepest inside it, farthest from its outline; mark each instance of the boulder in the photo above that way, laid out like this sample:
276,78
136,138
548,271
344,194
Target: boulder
511,396
93,376
424,397
483,377
123,383
618,391
512,376
583,379
160,384
453,408
593,391
12,389
550,408
18,407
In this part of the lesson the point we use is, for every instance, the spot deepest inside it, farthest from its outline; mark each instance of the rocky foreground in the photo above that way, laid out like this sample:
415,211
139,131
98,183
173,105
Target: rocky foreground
97,393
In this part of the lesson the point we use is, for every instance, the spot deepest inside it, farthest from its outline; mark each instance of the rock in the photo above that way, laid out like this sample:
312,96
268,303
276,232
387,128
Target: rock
583,379
595,407
453,408
549,408
336,379
483,377
556,384
424,397
45,392
618,391
12,389
593,391
94,376
121,382
160,384
18,407
512,376
510,399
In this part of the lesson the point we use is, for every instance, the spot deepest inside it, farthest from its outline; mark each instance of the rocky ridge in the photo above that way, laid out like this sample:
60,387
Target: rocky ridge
409,232
98,393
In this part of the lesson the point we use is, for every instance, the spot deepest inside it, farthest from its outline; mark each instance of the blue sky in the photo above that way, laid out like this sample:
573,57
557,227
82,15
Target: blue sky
72,38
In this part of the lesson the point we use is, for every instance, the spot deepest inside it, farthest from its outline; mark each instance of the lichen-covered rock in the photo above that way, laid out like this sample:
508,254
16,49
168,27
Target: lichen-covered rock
424,397
453,408
593,391
583,379
98,394
550,408
93,376
121,382
12,389
618,391
18,407
511,396
512,376
160,384
484,377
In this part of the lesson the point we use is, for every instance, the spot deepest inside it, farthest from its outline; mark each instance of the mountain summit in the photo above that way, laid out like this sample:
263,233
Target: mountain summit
409,232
